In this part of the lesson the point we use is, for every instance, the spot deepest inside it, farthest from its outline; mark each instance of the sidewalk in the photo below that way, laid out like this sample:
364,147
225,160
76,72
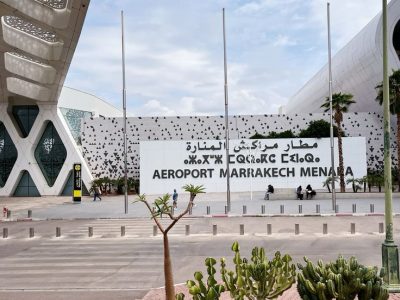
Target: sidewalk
241,204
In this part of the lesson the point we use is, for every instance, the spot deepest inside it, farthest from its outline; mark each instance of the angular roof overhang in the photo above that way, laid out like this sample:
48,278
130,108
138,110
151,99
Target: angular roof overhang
37,42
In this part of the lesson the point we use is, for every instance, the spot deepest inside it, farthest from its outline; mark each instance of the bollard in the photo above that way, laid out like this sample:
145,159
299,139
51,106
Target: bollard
8,213
155,229
372,208
381,228
300,209
296,229
337,208
244,209
353,228
31,232
325,228
58,231
241,229
263,209
90,231
269,229
282,209
208,210
187,229
122,230
318,208
214,229
354,208
29,213
5,233
226,209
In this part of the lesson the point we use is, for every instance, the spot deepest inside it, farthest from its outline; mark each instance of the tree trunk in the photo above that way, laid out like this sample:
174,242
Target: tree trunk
341,168
169,279
398,149
329,189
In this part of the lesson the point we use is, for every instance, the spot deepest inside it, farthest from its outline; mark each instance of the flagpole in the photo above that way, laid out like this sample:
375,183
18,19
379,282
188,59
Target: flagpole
331,109
124,115
228,188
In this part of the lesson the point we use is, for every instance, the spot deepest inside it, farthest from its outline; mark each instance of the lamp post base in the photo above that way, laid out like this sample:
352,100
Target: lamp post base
390,264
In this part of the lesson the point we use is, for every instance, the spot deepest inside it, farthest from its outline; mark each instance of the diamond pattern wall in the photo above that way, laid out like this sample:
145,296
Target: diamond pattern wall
50,153
8,155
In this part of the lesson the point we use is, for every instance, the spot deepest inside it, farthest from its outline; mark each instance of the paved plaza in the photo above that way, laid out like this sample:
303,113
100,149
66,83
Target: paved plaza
110,266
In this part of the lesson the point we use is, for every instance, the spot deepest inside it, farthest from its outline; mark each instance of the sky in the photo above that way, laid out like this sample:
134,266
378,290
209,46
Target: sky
174,52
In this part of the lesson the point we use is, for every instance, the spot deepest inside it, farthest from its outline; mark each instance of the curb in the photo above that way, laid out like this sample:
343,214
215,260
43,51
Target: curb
209,216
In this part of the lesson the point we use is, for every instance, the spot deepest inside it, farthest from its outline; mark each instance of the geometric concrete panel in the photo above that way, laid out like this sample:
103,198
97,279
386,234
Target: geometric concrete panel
8,155
25,116
54,13
26,187
31,38
30,68
28,89
50,154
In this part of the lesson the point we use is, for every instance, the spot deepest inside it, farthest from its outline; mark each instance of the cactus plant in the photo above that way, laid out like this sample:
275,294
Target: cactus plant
210,290
341,280
260,278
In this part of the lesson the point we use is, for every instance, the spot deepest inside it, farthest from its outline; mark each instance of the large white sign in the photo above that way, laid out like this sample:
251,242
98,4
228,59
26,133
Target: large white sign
283,163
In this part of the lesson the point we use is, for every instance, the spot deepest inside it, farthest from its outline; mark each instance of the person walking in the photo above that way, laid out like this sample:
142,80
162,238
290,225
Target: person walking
97,193
175,199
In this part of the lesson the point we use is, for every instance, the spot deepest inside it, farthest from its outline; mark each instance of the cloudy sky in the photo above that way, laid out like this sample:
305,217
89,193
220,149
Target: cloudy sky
174,52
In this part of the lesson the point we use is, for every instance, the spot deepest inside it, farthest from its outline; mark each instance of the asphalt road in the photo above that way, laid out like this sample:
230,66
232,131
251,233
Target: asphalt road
108,266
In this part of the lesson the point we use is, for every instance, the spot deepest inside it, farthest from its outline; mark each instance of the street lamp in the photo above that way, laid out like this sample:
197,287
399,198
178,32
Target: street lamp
390,252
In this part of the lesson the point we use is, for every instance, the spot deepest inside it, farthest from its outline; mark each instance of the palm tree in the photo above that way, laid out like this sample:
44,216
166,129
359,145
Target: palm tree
340,105
328,183
394,100
161,206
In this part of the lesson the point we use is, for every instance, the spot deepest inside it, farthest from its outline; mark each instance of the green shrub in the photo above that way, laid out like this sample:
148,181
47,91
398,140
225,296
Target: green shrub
260,278
341,280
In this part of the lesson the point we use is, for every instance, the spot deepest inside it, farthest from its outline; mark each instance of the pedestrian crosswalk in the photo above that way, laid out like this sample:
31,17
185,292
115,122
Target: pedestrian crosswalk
139,227
131,264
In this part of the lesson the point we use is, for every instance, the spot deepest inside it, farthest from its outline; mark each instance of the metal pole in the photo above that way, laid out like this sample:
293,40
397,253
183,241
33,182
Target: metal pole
124,109
390,255
228,188
331,109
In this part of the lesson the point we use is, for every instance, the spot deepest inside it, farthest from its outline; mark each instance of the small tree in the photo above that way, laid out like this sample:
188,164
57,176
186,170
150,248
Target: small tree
354,184
162,206
318,129
328,183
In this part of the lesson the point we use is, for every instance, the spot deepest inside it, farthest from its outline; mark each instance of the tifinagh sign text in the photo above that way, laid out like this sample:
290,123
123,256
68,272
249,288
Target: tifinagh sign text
253,164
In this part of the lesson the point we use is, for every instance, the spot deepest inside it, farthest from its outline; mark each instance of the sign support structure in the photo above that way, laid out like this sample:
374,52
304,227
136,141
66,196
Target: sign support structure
77,175
390,252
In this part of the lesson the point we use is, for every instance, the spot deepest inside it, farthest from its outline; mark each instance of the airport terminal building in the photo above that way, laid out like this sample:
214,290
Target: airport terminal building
46,127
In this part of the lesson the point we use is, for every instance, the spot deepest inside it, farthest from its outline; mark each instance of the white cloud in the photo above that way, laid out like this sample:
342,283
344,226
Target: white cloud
284,40
174,54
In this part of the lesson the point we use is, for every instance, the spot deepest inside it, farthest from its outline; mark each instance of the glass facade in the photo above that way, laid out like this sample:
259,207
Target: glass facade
50,153
25,116
26,187
74,117
8,155
69,186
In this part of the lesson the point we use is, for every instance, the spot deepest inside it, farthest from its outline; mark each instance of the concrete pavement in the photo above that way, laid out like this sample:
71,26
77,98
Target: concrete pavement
108,266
